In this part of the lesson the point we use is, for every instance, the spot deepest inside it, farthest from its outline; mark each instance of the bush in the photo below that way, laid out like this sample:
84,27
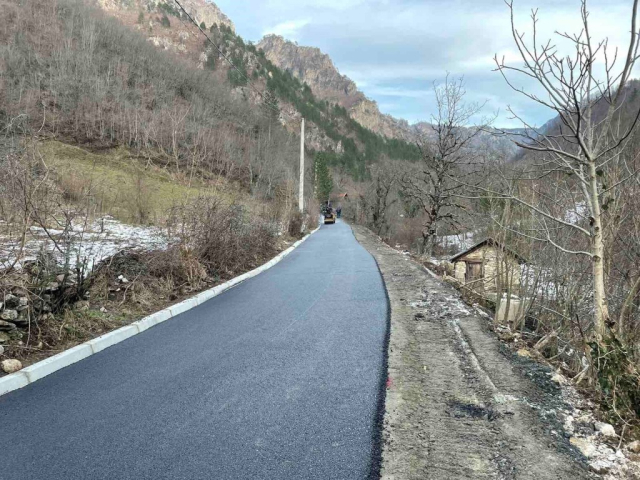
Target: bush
295,225
165,21
224,238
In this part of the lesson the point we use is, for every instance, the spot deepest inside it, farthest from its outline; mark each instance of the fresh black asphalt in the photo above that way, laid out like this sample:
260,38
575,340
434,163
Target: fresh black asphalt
278,378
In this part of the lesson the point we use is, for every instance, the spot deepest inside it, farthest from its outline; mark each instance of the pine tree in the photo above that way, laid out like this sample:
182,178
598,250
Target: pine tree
323,178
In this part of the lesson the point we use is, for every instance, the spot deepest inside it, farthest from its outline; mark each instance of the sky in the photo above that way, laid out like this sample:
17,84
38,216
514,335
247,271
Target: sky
396,49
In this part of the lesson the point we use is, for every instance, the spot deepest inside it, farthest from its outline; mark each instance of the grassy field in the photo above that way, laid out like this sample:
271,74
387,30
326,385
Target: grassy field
119,184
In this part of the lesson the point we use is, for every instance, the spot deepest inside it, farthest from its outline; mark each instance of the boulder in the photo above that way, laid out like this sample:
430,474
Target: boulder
634,446
605,429
11,365
8,315
600,466
6,326
585,446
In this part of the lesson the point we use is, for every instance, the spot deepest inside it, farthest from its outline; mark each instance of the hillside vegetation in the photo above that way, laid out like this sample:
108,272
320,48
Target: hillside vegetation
123,162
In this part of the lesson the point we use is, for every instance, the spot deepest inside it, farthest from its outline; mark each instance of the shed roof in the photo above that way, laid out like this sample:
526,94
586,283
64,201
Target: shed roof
488,241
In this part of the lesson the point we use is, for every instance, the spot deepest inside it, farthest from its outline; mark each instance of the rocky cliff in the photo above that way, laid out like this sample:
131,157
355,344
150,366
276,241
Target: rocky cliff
200,10
317,70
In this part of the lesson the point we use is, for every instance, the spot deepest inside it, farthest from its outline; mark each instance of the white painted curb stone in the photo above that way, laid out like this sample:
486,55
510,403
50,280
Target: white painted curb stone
46,367
13,382
64,359
108,339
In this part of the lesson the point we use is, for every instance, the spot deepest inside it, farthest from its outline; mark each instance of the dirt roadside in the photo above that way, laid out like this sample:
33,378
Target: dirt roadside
459,405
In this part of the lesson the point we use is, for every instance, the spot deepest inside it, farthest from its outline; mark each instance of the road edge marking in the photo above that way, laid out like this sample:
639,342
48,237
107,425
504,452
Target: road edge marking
41,369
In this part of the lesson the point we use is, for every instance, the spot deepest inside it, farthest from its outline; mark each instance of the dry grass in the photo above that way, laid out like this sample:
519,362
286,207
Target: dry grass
116,182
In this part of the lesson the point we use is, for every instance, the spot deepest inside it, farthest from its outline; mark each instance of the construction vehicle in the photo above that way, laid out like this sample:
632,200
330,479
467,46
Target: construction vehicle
329,216
328,213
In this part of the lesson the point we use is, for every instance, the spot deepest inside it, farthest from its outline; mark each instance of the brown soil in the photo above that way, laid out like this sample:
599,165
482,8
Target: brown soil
459,405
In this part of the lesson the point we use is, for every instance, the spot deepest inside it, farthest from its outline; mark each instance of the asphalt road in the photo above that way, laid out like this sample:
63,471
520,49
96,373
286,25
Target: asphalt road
277,378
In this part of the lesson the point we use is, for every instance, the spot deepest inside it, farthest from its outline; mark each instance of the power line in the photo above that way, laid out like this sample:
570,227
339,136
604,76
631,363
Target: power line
270,105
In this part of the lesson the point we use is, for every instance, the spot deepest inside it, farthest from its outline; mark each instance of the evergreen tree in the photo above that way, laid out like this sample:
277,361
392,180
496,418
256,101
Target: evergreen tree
323,178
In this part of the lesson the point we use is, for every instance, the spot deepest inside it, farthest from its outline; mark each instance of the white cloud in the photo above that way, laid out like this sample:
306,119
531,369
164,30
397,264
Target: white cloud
289,29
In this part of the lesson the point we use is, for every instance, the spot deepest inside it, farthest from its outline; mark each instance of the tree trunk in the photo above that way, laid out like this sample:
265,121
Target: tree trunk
601,320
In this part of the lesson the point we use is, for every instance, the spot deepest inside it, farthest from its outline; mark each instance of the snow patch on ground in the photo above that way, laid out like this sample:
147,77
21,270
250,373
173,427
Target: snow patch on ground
87,243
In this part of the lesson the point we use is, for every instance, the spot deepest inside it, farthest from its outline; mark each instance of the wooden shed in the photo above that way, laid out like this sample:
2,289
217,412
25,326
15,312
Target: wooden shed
488,265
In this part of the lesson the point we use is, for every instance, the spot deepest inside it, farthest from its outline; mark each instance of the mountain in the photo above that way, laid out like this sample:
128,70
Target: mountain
202,11
316,69
302,81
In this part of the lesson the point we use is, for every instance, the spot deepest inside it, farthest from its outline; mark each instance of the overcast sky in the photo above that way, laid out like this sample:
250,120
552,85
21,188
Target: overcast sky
395,49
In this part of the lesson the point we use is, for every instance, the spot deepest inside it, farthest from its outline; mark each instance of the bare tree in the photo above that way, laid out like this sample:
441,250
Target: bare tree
446,153
384,179
572,180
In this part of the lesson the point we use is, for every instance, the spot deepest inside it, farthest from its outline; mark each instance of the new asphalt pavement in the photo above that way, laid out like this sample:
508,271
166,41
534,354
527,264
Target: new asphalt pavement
280,377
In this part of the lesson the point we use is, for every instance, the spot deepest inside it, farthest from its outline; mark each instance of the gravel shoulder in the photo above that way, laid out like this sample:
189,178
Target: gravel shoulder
460,405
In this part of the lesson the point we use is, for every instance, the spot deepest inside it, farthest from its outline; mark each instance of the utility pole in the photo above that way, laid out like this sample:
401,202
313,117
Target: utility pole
301,194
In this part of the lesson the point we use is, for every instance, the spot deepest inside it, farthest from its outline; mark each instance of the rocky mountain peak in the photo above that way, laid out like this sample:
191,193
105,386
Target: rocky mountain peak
314,67
201,10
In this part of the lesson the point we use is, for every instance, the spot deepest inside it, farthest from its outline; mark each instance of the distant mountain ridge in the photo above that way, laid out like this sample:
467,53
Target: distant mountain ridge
316,69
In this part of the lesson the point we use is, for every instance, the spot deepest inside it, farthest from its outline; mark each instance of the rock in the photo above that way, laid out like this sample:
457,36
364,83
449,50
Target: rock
1,350
600,466
21,292
60,278
4,338
11,365
103,310
122,279
11,301
6,326
584,445
52,287
558,378
8,315
523,352
605,429
634,446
